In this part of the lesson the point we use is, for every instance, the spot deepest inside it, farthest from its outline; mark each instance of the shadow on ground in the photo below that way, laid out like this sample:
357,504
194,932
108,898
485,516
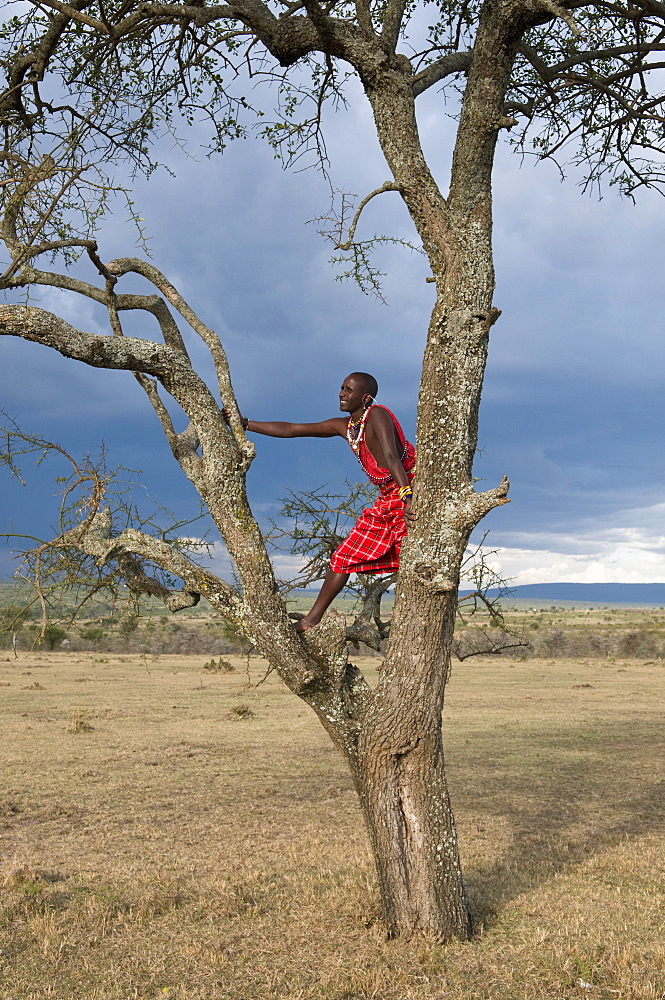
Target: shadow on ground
590,790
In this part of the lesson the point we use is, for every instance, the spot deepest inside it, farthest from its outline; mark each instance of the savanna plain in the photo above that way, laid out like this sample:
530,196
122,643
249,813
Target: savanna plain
171,830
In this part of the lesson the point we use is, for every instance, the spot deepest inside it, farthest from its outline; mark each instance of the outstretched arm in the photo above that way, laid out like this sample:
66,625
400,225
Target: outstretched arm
335,427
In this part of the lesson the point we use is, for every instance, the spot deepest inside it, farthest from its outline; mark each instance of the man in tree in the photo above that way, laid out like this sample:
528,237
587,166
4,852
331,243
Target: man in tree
388,459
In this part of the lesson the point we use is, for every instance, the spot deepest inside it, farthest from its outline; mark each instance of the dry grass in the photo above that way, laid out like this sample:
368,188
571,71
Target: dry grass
202,839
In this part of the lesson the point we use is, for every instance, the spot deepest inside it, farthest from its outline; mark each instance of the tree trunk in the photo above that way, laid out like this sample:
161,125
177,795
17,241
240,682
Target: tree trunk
412,832
401,775
402,785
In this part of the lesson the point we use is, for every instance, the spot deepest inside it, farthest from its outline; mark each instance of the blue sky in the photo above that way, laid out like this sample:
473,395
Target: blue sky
572,408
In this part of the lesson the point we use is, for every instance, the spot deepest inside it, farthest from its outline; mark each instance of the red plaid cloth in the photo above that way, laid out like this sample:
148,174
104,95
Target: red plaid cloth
374,543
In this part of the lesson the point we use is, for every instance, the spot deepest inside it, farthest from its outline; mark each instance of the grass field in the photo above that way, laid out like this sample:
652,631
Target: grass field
169,832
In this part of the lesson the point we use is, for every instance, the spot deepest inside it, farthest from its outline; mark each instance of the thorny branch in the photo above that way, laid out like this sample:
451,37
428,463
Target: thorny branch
92,498
348,242
342,234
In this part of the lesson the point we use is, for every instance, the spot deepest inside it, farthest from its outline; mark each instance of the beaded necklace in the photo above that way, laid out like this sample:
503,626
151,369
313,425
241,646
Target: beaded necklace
355,431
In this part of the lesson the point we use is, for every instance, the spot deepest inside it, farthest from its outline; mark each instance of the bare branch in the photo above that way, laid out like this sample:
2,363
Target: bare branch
364,15
549,73
487,500
557,11
361,630
371,609
152,304
388,186
130,354
453,62
94,538
76,15
149,386
127,353
209,337
482,644
24,254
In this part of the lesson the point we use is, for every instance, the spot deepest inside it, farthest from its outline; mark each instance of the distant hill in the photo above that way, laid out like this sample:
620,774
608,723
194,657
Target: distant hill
581,593
594,593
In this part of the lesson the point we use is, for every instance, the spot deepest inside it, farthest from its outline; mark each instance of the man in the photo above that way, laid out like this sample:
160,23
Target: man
377,439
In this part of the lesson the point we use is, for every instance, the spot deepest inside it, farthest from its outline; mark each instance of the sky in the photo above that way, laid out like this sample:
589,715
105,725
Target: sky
572,408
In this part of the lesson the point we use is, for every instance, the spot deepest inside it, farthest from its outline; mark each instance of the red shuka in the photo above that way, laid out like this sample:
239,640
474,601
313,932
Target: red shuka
374,543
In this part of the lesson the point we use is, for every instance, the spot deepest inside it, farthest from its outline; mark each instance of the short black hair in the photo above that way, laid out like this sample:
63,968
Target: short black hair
369,382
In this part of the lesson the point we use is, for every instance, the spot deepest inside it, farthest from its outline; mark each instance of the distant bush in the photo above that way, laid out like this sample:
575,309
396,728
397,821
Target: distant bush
156,635
220,665
572,642
645,643
93,634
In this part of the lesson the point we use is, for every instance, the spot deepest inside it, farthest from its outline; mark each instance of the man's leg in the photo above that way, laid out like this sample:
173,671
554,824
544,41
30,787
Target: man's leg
332,585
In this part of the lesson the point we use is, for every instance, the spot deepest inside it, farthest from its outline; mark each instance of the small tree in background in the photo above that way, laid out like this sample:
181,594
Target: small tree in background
52,635
12,619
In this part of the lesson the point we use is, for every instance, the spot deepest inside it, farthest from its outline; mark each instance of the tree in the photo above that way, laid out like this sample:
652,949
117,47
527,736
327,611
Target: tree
89,84
12,619
53,635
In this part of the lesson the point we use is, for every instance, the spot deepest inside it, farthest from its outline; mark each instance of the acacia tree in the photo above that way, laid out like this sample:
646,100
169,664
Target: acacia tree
88,83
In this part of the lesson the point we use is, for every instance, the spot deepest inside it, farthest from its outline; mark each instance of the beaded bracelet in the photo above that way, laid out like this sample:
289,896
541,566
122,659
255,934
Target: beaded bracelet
245,423
404,492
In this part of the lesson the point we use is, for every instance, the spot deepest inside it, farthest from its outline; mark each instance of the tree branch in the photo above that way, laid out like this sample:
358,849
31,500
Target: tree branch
361,630
549,73
183,446
454,62
392,23
37,60
482,644
94,538
152,304
76,15
131,354
556,10
364,16
388,186
208,336
127,353
483,503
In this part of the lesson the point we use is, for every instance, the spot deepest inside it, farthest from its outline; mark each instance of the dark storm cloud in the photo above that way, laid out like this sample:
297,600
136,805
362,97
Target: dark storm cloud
572,406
